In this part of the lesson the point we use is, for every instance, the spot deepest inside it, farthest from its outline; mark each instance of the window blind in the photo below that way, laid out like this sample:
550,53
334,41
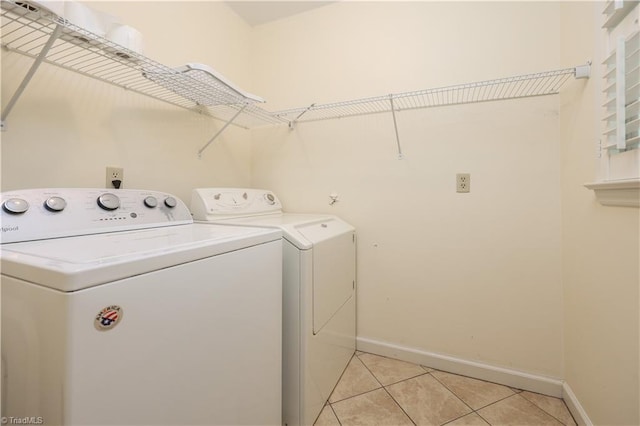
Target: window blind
622,94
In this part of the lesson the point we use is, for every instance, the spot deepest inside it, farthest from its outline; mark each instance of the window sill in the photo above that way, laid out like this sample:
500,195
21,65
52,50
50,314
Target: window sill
622,193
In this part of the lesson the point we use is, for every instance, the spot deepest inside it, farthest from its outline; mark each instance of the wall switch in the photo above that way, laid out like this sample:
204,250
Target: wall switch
115,177
463,182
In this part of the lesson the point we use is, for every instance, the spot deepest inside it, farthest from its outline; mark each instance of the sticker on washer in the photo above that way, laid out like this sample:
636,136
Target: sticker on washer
108,318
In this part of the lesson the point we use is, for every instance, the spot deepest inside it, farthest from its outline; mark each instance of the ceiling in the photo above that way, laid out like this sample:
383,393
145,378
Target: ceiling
260,12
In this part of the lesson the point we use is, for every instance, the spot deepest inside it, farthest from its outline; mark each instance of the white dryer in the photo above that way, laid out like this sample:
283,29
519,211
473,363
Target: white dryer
319,291
118,310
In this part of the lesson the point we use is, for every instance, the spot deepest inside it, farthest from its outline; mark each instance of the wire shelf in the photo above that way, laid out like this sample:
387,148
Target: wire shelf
44,36
27,30
523,86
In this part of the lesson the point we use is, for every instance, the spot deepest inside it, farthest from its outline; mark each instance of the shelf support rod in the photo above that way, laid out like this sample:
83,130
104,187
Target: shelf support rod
395,126
221,130
27,78
295,120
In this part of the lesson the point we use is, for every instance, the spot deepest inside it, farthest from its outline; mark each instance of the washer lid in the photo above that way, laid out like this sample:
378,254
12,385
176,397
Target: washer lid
74,263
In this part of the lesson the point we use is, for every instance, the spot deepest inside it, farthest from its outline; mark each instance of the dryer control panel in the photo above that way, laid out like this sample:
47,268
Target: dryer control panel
36,214
221,203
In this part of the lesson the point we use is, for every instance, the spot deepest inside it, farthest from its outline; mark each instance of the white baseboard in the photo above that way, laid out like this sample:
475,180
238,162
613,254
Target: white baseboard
574,406
513,378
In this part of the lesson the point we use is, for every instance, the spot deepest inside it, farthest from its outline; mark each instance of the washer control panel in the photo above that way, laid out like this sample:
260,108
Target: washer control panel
221,203
35,214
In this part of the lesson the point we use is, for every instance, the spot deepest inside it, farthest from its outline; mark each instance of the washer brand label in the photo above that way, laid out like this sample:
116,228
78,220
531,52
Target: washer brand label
108,318
10,228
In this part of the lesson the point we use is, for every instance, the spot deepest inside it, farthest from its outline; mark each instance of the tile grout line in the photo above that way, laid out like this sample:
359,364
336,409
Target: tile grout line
334,388
563,402
419,375
399,381
485,420
451,391
473,411
458,418
355,355
488,405
413,377
501,399
362,393
334,413
477,412
546,412
354,396
400,406
495,402
454,394
371,372
531,403
389,393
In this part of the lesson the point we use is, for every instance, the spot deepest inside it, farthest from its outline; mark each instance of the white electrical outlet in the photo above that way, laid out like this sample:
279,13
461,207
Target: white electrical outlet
114,174
463,182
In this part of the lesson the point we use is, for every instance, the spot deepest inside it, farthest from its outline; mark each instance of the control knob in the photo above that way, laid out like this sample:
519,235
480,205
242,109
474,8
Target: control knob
15,206
170,202
55,204
109,201
150,202
270,198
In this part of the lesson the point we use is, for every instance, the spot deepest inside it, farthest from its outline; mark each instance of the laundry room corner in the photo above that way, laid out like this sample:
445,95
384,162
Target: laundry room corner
600,249
474,276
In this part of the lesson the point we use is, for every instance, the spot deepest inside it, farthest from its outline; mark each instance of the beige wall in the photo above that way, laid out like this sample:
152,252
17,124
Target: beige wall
526,272
475,276
601,272
66,128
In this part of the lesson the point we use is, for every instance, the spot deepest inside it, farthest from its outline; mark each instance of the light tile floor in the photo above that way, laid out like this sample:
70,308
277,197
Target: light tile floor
375,390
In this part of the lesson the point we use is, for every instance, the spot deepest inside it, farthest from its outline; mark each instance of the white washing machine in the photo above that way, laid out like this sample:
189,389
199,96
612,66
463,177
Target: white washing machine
319,291
118,310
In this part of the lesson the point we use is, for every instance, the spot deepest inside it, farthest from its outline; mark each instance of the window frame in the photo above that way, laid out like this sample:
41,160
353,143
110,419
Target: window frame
618,171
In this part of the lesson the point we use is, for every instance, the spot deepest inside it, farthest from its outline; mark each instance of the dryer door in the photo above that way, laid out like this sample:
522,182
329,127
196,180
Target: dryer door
334,268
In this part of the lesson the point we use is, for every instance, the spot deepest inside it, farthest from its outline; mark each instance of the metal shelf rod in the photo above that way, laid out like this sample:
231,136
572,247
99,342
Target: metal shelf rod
220,131
395,126
295,120
27,78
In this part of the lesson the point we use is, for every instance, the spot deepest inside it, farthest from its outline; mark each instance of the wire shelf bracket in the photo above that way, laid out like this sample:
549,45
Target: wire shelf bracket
27,78
395,127
292,124
220,131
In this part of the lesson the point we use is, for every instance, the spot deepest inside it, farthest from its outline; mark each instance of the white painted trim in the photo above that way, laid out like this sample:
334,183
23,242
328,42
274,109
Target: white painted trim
622,193
574,406
513,378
